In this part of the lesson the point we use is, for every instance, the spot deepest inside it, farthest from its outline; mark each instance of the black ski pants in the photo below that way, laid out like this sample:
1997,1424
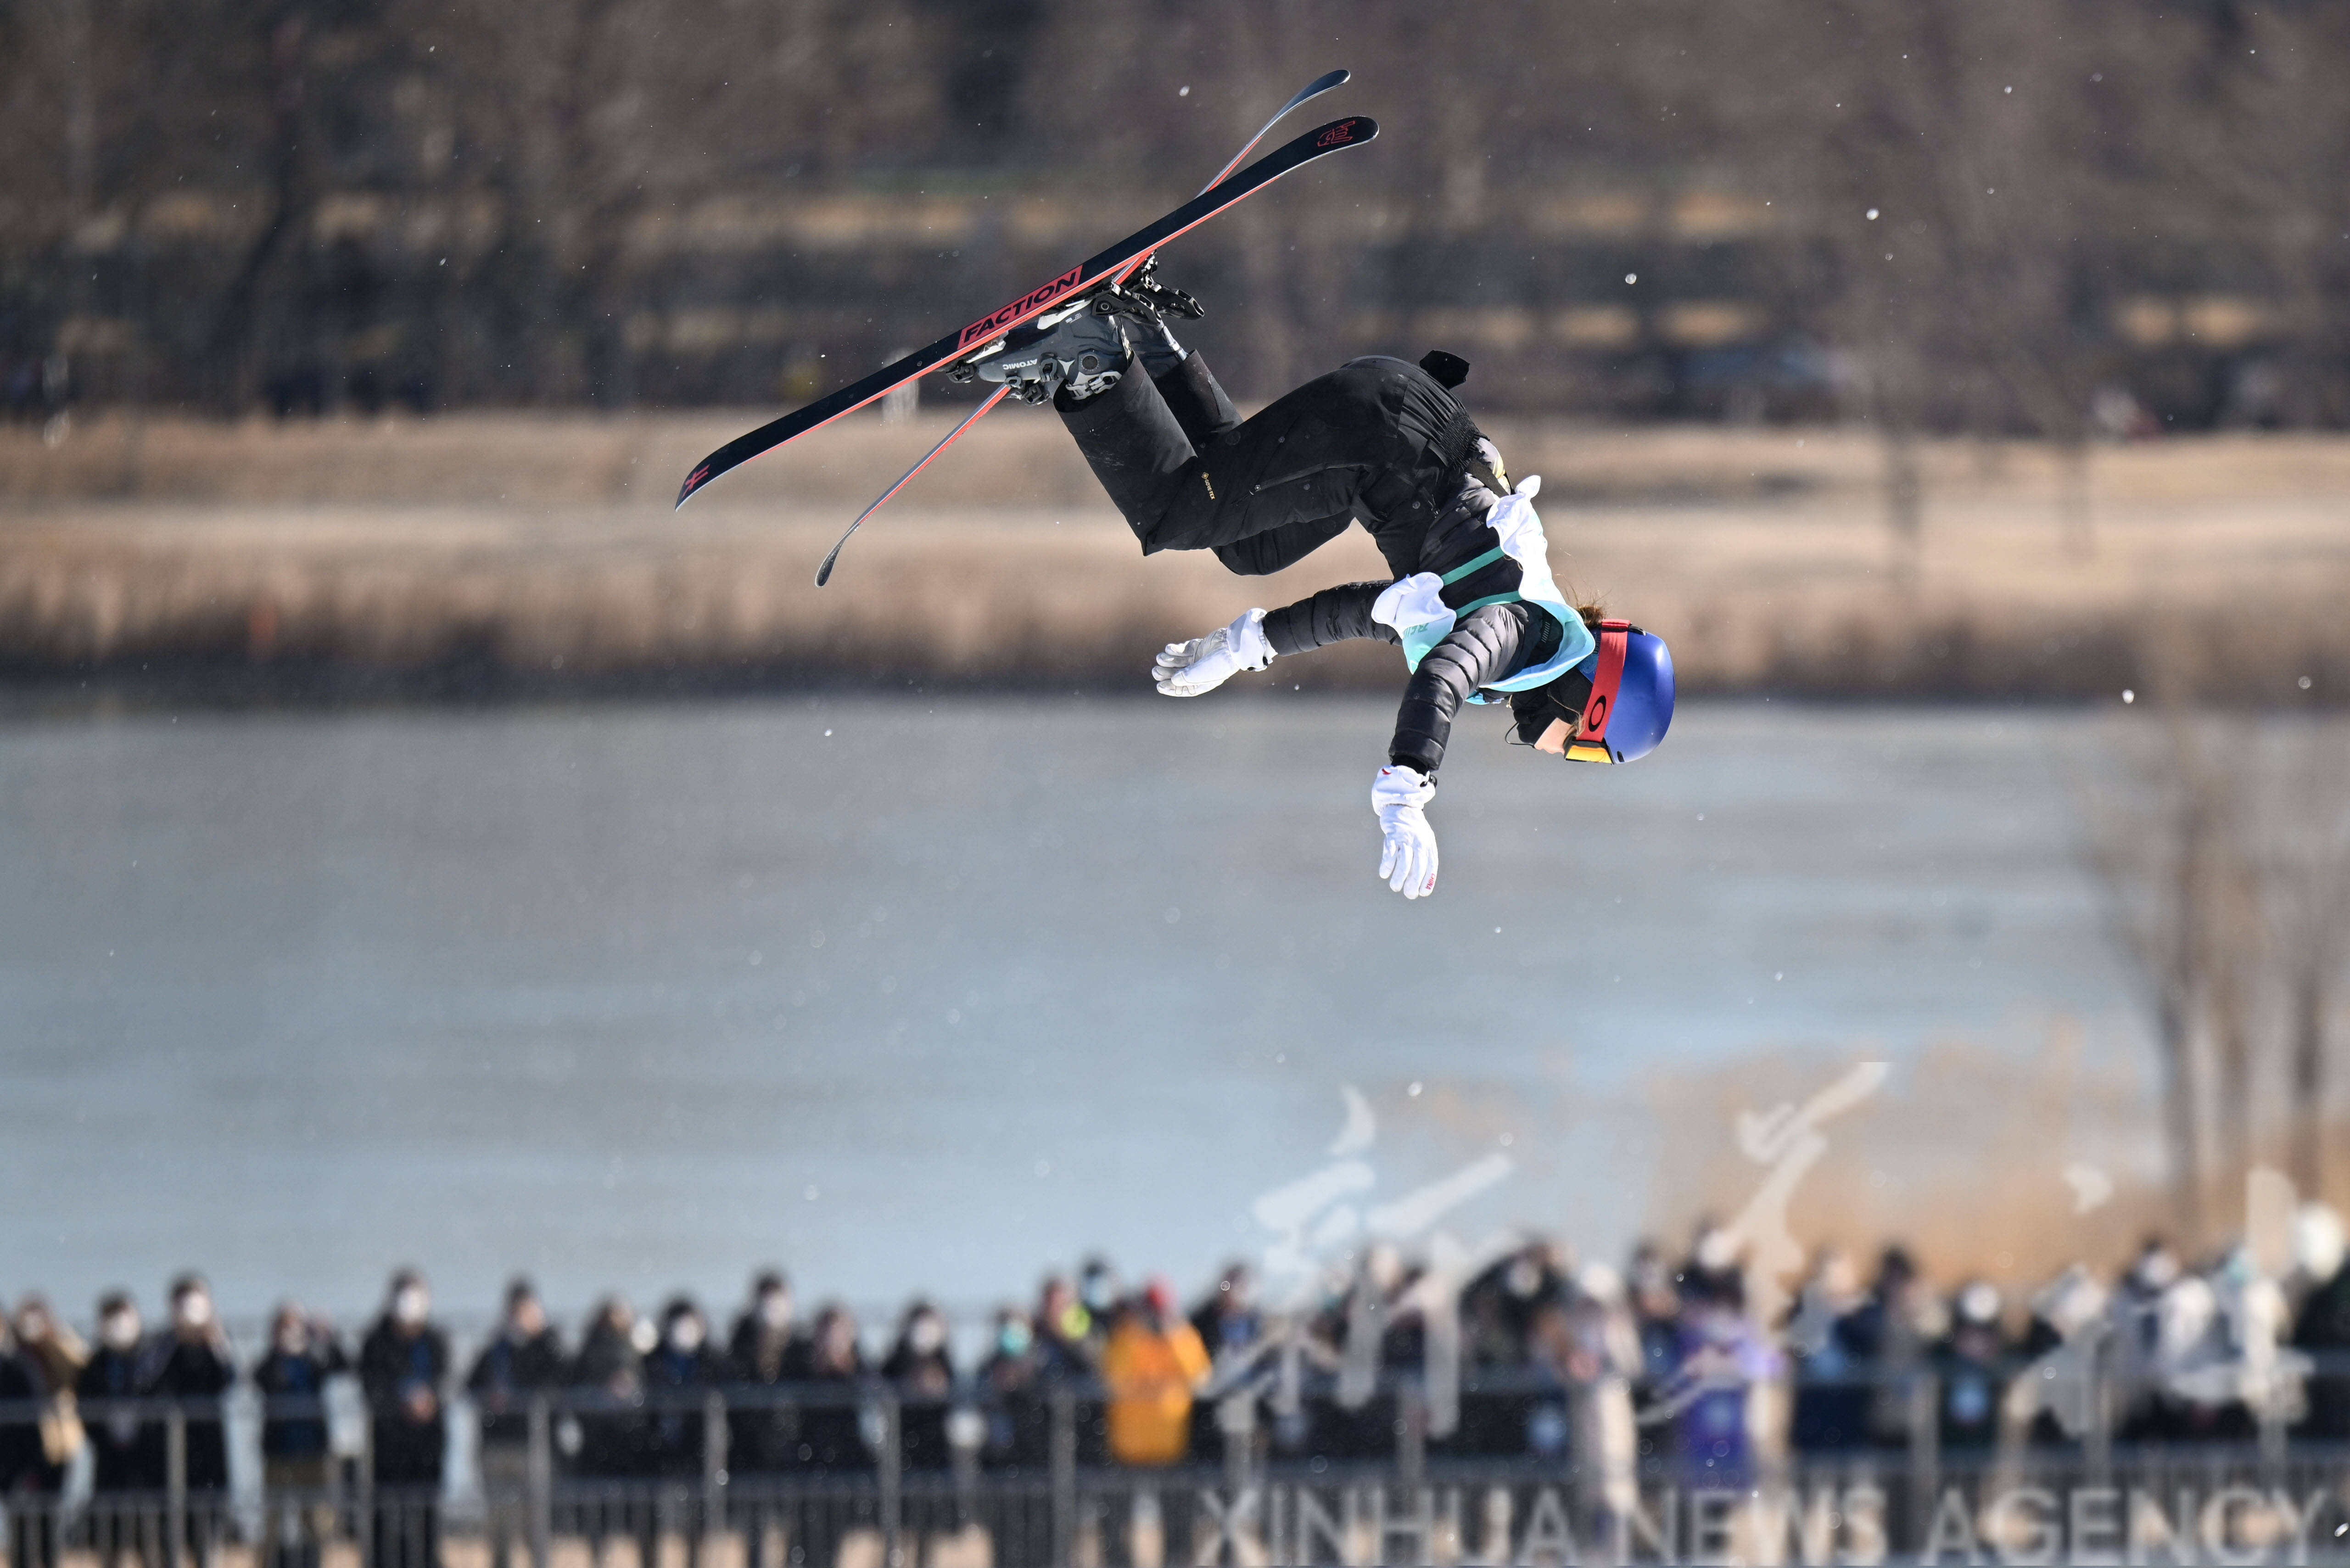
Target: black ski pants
1376,438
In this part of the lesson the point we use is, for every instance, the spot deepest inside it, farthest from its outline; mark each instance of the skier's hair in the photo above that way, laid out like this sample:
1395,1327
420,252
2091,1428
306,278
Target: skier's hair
1593,609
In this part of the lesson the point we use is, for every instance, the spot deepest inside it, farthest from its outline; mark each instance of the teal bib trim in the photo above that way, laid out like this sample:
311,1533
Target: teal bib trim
1467,567
1575,644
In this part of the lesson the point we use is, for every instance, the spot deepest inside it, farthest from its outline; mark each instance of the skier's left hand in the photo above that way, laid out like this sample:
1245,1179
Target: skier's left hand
1204,663
1407,851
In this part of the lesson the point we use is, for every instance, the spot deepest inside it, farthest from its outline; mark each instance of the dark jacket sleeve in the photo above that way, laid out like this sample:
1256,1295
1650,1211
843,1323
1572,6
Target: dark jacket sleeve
1334,615
1488,644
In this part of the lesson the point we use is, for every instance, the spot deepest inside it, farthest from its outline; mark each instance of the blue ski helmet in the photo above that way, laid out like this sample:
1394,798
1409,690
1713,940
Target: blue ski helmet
1613,707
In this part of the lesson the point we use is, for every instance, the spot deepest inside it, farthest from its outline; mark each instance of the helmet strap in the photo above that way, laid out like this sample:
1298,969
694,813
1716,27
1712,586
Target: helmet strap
1615,638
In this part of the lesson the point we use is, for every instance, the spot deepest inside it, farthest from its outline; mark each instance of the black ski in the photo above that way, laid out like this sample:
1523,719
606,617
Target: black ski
984,333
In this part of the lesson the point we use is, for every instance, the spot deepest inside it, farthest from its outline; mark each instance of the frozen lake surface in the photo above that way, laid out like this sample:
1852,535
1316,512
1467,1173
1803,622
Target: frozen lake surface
934,992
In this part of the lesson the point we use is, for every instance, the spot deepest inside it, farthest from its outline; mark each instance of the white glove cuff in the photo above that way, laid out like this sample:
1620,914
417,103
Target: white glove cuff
1246,640
1400,785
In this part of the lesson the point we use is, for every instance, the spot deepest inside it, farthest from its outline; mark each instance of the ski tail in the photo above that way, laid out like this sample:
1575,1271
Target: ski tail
824,573
1354,130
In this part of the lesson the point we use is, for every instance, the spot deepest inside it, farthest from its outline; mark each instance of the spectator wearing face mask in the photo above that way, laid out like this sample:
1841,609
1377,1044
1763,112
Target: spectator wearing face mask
1970,1369
1103,1297
2134,1312
678,1373
680,1370
524,1361
126,1450
1011,1393
297,1473
403,1365
194,1367
1499,1314
1153,1363
919,1368
766,1352
40,1367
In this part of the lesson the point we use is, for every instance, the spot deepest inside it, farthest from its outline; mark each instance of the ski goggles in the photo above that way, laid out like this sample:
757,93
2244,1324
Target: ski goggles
1585,740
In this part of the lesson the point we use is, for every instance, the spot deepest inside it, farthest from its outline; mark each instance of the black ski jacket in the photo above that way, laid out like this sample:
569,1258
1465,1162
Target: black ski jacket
1487,645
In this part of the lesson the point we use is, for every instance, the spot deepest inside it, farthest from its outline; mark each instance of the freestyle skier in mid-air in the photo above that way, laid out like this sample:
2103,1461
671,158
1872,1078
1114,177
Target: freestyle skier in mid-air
1472,601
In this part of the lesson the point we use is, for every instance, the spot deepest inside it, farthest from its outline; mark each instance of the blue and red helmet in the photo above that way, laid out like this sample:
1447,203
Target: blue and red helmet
1613,707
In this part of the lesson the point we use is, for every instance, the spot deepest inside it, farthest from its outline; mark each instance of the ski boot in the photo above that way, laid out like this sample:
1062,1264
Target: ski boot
1084,346
1077,348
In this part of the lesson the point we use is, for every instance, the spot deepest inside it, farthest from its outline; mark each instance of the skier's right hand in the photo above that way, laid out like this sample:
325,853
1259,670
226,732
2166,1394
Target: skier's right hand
1408,844
1204,663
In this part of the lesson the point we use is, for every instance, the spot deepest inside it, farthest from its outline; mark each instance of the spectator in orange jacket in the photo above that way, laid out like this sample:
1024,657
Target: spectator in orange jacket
1153,1363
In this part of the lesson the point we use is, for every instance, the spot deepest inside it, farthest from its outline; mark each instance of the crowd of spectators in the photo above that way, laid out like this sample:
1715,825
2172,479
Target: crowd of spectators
1661,1361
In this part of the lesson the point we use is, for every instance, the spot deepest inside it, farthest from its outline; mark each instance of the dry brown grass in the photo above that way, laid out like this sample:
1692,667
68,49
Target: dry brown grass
1961,1157
496,543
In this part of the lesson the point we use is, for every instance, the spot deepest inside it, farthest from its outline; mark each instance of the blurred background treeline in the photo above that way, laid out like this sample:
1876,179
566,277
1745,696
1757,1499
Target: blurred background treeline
1994,216
356,346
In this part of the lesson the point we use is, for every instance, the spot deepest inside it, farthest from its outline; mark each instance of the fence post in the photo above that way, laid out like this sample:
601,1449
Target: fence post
893,1501
175,1484
1411,1433
716,1438
1925,1449
2097,1443
1065,1477
538,1481
1236,1423
365,1523
2270,1412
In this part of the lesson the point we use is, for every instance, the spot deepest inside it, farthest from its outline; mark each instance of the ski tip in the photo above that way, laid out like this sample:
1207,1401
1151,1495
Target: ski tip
824,572
693,481
1351,132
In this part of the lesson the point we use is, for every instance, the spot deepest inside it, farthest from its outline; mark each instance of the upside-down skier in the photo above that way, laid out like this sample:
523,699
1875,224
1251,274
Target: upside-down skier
1472,602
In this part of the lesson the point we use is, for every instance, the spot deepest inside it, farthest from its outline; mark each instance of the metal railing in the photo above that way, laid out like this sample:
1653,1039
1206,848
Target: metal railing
859,1476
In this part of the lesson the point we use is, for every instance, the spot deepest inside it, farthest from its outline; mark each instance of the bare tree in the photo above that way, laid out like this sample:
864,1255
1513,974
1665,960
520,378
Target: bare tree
2154,820
2306,869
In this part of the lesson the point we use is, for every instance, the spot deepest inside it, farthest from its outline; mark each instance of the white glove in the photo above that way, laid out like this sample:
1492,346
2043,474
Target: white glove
1204,663
1408,860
